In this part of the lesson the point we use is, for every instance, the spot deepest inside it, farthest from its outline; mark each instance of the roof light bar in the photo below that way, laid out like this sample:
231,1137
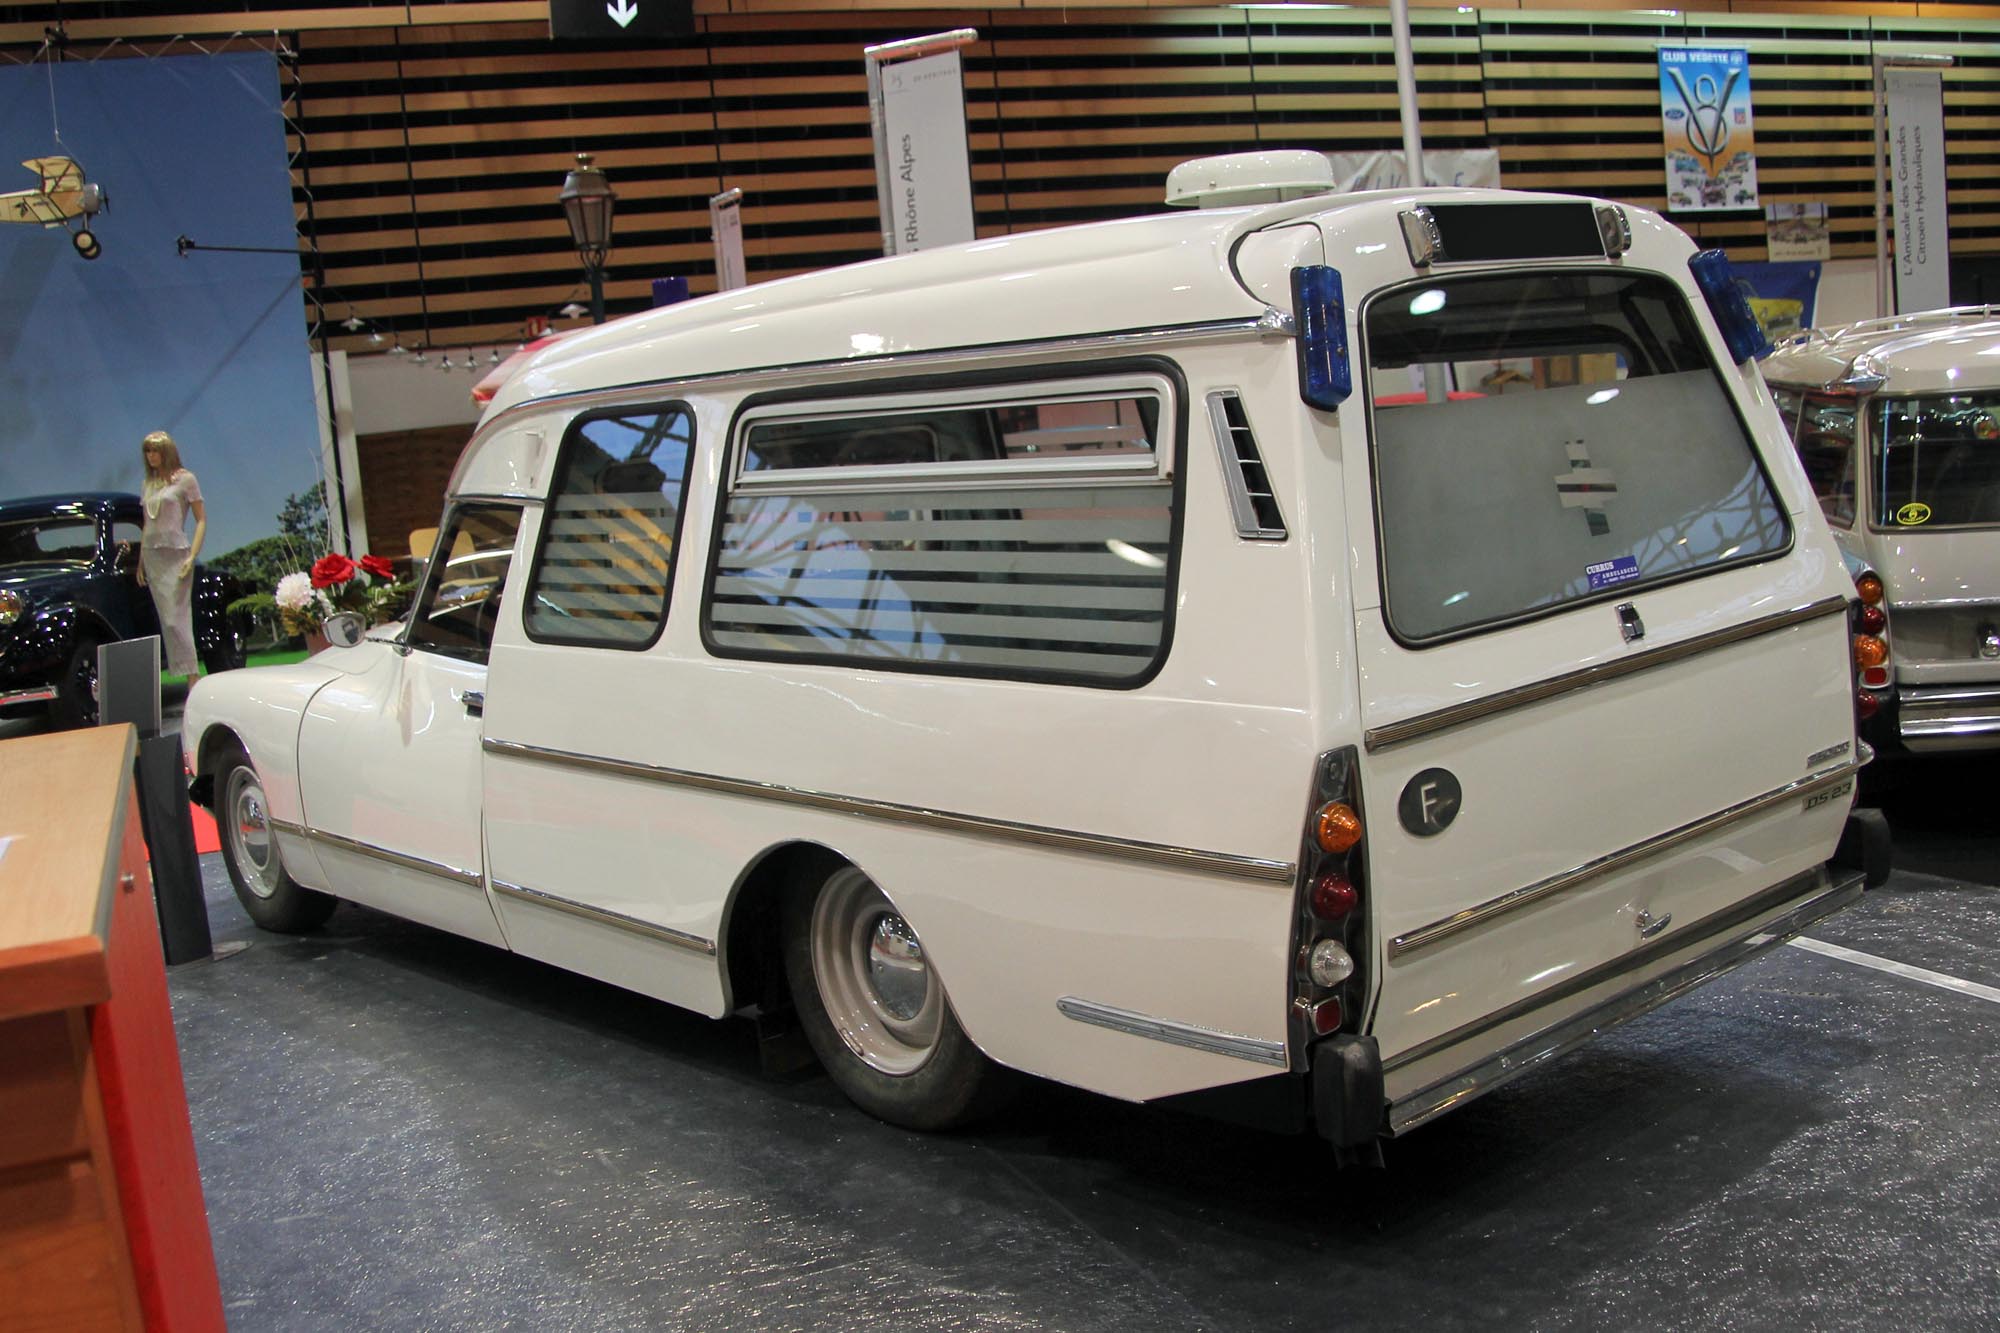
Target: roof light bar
1615,228
1421,236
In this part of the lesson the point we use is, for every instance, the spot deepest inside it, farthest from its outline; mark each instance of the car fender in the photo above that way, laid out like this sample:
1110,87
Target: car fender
42,646
262,708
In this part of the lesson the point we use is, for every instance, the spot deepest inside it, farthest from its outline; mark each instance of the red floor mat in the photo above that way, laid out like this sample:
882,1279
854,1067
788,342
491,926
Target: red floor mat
206,839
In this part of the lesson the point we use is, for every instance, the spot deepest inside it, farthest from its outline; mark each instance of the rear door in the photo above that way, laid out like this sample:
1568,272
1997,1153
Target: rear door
1601,649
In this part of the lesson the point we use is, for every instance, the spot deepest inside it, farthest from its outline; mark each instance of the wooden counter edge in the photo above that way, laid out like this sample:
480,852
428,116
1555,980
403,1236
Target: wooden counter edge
58,974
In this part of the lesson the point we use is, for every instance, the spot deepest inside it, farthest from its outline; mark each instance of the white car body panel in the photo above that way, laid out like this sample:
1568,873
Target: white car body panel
616,802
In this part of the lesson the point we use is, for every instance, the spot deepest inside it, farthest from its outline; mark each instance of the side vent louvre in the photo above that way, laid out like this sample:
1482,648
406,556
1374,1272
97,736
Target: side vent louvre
1251,498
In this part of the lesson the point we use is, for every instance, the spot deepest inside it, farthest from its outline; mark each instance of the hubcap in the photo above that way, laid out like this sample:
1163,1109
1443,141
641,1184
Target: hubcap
249,831
873,977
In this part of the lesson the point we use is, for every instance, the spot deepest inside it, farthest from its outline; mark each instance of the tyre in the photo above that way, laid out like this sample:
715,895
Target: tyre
226,654
874,1009
271,897
75,704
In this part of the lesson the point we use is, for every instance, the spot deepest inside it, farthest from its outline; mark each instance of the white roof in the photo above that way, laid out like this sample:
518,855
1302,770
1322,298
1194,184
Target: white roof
1931,351
1159,271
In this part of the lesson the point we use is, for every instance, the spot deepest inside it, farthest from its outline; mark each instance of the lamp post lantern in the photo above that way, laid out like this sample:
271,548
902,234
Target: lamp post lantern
586,199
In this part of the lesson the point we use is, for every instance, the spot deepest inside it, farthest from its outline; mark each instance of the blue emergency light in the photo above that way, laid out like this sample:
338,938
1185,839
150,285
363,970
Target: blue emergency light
1325,378
1726,301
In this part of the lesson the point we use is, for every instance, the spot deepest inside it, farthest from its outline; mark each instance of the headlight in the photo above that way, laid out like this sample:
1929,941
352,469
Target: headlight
12,604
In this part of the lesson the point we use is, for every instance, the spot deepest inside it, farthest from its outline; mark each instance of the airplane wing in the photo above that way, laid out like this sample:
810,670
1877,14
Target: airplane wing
54,202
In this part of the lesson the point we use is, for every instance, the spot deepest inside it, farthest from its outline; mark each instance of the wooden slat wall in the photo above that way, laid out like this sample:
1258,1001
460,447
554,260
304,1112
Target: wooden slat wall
428,152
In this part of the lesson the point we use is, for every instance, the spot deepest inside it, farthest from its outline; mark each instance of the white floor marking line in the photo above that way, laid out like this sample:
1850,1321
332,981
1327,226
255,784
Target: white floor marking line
1894,968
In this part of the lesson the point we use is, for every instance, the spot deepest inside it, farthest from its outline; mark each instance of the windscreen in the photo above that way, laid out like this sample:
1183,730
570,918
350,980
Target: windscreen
1543,438
1937,461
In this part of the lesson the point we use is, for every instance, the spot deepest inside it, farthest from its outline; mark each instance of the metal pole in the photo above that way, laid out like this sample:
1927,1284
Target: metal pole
1881,154
596,294
1406,91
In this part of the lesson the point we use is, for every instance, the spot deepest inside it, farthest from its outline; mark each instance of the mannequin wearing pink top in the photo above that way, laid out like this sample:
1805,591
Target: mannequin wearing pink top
166,552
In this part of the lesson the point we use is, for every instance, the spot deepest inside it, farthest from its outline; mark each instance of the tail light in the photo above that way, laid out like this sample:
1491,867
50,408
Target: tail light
1869,619
1330,965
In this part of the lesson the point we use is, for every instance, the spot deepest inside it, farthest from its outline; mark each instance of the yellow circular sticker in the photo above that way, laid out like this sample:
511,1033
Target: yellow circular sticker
1913,513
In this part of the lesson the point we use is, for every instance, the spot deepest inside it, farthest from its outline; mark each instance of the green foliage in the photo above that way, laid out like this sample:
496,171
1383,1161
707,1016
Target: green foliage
303,519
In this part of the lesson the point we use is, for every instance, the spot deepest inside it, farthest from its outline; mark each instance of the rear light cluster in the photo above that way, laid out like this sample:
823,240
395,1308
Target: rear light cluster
1329,985
1870,622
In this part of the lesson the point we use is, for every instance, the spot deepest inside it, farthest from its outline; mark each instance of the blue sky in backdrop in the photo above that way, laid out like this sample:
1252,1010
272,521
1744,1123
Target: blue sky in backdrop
211,347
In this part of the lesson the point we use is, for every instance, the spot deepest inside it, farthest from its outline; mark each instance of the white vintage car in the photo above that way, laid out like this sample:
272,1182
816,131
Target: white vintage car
1897,421
1311,659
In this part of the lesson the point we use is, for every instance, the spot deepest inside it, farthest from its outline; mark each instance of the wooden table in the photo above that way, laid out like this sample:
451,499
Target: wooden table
102,1224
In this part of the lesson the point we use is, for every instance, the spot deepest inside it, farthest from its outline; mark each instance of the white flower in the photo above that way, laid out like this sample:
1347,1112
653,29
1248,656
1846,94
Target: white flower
295,592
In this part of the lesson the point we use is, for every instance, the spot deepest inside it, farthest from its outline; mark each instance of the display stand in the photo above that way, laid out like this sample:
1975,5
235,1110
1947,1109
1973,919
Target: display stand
102,1224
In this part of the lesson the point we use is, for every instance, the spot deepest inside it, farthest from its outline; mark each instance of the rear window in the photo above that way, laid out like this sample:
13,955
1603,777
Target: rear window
1937,461
1547,438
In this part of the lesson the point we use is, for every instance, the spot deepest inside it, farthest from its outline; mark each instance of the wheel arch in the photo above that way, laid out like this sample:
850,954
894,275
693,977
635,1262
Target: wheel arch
753,968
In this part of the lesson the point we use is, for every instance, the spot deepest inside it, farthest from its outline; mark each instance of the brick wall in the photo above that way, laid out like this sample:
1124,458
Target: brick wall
403,476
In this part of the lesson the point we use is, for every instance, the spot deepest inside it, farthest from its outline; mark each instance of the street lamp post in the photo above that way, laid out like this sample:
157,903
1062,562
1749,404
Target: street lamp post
586,200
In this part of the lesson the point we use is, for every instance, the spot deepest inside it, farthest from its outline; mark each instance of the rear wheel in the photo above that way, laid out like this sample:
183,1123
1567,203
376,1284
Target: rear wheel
271,897
875,1010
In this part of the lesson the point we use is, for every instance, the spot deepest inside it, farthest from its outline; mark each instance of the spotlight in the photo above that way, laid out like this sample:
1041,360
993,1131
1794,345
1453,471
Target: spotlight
354,323
572,310
375,336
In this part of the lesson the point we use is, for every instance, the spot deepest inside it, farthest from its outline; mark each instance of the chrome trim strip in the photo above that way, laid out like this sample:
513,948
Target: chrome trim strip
1270,324
1181,858
1957,724
1932,696
1425,936
1529,1052
41,694
468,878
1254,1049
664,934
1396,733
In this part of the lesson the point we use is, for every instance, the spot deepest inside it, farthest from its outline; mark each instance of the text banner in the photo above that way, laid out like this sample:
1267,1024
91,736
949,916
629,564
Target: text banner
925,171
1915,101
1711,144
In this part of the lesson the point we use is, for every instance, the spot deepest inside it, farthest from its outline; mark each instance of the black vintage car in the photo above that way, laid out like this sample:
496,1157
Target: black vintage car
67,585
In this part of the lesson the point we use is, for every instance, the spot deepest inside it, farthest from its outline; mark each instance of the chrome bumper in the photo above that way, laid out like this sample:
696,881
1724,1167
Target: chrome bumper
1458,1066
1949,716
40,694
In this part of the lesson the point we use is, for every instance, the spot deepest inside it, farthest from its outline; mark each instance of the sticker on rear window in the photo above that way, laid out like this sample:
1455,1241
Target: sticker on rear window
1610,573
1913,513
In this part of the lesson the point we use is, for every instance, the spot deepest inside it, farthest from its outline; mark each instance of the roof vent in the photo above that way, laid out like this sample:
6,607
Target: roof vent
1249,178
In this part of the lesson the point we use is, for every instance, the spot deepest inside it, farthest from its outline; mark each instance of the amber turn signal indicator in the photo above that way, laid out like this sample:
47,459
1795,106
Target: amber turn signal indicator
1337,828
1869,586
1869,651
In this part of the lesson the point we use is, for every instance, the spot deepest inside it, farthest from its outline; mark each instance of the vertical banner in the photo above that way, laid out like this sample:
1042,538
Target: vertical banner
725,228
923,168
1781,295
1915,99
1705,111
1384,170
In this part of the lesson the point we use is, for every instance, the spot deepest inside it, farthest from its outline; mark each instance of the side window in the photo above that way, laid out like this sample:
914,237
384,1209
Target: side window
1027,534
467,583
1826,447
606,560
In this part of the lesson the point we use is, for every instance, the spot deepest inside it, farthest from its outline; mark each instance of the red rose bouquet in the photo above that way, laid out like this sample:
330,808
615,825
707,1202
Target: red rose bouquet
337,585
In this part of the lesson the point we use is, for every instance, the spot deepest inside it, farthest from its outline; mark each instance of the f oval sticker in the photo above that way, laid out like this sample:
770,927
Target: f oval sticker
1430,802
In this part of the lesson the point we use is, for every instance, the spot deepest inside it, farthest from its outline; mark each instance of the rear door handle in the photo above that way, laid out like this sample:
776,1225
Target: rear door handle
474,701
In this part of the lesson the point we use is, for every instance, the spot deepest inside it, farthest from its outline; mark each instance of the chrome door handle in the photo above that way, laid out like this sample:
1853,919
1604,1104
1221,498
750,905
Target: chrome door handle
1650,925
474,701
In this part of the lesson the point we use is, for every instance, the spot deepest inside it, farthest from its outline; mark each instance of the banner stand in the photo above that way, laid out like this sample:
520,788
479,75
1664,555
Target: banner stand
940,177
1883,64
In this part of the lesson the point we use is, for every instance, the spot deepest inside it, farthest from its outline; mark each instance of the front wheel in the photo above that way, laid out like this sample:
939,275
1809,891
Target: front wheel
271,897
75,704
874,1009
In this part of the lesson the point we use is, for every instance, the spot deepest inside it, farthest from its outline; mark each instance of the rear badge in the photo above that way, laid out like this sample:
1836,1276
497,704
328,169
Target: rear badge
1818,757
1430,802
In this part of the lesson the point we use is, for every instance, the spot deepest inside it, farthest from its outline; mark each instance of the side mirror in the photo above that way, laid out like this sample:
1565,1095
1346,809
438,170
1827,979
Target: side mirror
343,630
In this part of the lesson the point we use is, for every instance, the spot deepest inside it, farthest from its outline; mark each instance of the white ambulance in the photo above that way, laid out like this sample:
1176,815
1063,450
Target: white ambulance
1310,660
1897,422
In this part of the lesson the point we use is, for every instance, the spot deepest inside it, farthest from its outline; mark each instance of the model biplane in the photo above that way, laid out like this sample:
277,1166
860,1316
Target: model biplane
62,200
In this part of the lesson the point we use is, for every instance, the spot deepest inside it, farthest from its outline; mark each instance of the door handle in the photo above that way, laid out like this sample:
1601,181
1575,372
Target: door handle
474,701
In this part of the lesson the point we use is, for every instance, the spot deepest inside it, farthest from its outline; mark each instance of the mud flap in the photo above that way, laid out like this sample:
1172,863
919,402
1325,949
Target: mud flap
1865,846
1347,1098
